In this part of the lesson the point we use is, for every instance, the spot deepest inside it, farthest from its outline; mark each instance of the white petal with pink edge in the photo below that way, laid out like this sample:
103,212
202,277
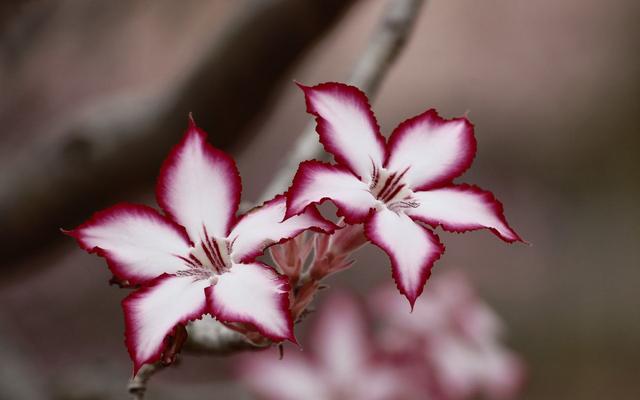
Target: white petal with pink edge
199,186
316,181
412,249
138,243
434,150
347,126
253,294
152,312
264,226
340,339
461,208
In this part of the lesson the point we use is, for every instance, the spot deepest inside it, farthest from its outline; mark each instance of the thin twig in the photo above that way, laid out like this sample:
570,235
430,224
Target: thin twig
138,384
207,335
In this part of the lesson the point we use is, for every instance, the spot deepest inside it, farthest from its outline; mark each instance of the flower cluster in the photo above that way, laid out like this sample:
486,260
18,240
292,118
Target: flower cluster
448,349
198,257
453,337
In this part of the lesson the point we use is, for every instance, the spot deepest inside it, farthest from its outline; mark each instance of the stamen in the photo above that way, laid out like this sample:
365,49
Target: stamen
195,273
410,203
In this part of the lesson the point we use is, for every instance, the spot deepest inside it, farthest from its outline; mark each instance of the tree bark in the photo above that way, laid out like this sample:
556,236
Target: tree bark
118,147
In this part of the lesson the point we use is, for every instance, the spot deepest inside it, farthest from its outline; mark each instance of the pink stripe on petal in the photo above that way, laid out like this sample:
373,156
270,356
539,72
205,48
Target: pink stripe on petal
254,294
412,249
316,181
152,312
347,127
435,150
460,208
263,226
199,185
138,243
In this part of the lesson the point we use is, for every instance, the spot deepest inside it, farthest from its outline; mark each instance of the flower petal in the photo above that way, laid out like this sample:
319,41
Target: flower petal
461,208
340,339
152,312
138,243
346,125
254,294
264,226
464,370
316,181
412,248
292,378
435,150
199,186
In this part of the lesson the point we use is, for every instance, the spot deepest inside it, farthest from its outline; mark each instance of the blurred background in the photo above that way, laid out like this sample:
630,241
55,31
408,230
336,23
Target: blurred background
93,94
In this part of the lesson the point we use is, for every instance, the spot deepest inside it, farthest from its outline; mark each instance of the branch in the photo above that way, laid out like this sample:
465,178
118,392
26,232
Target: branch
64,175
383,49
209,336
138,384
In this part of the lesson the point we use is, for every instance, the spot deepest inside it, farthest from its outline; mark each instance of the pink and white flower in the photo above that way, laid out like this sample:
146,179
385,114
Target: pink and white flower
457,335
342,363
389,186
197,257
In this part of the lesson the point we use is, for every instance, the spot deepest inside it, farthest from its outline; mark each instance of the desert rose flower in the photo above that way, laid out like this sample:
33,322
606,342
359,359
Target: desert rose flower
197,257
389,186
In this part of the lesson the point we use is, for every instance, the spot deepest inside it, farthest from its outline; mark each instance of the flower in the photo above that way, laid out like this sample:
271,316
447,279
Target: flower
343,363
449,348
198,257
389,186
456,334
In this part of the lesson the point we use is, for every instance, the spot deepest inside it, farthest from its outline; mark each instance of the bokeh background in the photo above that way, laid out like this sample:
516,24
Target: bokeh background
93,94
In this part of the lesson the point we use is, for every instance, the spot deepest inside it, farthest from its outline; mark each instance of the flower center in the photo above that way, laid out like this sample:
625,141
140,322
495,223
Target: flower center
208,258
390,189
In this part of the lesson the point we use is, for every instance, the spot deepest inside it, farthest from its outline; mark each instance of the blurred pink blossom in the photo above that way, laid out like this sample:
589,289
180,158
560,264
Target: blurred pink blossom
342,362
449,348
455,334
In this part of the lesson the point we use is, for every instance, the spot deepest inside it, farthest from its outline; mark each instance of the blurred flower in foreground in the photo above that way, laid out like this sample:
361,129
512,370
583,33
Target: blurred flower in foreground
455,335
199,257
390,186
448,349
